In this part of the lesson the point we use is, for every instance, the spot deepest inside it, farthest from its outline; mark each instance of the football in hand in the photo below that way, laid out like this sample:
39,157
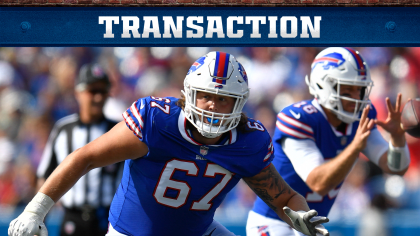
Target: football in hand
410,117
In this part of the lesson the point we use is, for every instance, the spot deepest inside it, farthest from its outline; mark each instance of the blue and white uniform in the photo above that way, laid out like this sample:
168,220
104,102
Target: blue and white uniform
176,188
306,122
304,139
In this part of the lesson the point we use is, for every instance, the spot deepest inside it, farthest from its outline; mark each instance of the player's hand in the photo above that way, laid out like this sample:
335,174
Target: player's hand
27,224
392,124
30,222
307,222
363,131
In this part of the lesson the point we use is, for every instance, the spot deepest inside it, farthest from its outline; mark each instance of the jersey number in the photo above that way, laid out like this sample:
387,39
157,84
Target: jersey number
165,108
166,182
308,108
255,125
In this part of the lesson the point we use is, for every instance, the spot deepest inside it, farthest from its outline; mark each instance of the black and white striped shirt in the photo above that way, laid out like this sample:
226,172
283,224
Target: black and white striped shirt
98,186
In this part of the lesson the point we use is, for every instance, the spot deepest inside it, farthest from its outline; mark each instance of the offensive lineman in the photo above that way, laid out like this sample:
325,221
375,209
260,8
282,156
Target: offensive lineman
184,157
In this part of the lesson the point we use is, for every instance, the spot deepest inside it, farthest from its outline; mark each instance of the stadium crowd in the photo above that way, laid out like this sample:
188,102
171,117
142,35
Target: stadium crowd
37,89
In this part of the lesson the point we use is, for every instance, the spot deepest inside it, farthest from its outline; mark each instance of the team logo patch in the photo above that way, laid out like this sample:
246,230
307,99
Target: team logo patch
263,230
197,64
328,61
204,150
97,71
243,72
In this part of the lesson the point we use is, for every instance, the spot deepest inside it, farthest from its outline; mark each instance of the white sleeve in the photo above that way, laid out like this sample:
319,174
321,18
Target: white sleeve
376,146
304,155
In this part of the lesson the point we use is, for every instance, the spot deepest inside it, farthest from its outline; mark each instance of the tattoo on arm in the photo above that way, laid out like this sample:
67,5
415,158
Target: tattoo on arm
268,185
263,194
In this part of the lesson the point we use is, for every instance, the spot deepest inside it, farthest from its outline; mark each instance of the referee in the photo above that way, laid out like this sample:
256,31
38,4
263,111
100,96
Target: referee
86,205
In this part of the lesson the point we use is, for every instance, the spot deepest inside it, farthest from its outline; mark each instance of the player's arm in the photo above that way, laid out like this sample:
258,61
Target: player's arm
397,158
280,197
385,155
116,145
119,144
329,175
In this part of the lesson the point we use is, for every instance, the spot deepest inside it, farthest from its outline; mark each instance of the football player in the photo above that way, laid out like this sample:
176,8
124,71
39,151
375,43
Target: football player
182,156
317,141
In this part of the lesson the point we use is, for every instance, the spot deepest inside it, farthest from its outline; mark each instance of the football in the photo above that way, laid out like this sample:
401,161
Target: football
410,117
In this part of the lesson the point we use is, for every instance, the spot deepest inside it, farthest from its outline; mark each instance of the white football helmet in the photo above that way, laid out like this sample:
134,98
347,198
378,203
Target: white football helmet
218,73
332,68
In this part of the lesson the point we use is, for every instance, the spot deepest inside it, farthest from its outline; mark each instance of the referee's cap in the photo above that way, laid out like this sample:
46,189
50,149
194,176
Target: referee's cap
90,73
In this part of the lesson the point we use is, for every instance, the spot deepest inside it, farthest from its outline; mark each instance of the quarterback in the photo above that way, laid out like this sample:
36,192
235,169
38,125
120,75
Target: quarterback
317,141
182,156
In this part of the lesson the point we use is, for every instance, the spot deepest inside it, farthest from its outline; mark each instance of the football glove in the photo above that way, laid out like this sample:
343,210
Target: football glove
307,222
30,222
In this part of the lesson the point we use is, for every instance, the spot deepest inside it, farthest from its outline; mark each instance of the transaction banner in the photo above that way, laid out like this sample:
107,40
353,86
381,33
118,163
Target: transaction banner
204,26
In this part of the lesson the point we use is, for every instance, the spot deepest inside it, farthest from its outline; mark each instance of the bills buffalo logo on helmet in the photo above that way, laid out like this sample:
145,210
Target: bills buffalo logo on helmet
197,64
328,61
243,72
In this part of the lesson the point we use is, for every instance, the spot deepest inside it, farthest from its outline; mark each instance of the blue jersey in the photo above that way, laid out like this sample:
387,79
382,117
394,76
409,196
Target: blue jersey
176,188
306,120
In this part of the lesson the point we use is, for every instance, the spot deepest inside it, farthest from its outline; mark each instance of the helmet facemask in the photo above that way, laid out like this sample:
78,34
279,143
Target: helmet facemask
212,124
218,123
336,100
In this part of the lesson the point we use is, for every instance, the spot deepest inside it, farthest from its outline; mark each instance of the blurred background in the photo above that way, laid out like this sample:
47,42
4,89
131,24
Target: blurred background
37,89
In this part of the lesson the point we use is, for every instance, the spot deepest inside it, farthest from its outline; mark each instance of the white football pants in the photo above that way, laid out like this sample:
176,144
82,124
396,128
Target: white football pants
259,225
215,229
